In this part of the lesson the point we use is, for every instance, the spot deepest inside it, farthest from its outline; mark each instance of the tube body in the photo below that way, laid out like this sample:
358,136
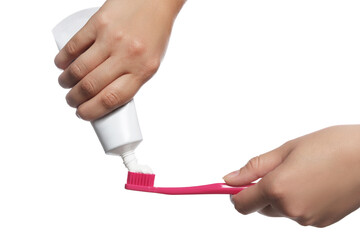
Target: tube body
119,131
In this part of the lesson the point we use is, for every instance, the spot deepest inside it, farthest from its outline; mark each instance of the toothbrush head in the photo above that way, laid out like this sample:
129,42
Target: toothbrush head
140,179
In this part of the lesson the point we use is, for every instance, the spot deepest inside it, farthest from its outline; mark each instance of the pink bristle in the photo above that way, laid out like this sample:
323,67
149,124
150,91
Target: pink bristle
141,179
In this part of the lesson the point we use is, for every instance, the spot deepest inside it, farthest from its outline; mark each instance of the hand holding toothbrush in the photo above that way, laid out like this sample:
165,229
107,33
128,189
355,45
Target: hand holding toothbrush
313,180
115,53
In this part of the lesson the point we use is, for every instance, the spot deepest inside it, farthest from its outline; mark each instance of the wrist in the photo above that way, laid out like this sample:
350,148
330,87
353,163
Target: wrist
170,7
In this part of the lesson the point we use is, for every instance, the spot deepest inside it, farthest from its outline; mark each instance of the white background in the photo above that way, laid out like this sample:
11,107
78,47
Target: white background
239,79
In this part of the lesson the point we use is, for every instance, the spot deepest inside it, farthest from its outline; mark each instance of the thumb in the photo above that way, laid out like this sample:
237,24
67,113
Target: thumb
258,166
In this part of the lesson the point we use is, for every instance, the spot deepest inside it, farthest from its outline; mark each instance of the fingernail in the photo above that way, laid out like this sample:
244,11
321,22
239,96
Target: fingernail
231,199
231,175
77,114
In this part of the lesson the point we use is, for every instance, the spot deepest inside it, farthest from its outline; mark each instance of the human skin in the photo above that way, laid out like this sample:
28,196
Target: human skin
313,180
115,53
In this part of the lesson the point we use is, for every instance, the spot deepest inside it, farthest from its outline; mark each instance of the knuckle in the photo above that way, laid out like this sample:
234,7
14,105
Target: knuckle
253,166
111,99
71,47
241,209
136,47
118,35
312,220
289,145
152,66
275,190
254,163
87,88
240,206
304,221
322,224
149,68
75,71
278,194
101,20
295,213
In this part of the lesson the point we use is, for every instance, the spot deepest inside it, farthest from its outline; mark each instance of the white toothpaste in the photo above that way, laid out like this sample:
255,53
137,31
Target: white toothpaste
132,164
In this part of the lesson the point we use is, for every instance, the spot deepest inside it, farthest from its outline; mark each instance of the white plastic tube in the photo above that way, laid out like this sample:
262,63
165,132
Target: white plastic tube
119,132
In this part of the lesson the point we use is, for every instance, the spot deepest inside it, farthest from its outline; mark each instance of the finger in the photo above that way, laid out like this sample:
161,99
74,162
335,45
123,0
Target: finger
251,199
94,82
270,211
81,41
258,166
83,65
111,97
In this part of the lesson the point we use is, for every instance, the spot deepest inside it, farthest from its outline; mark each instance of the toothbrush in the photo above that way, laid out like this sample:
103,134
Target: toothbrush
145,183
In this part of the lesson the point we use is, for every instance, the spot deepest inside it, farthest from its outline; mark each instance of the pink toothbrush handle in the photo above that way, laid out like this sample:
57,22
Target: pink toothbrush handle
216,188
